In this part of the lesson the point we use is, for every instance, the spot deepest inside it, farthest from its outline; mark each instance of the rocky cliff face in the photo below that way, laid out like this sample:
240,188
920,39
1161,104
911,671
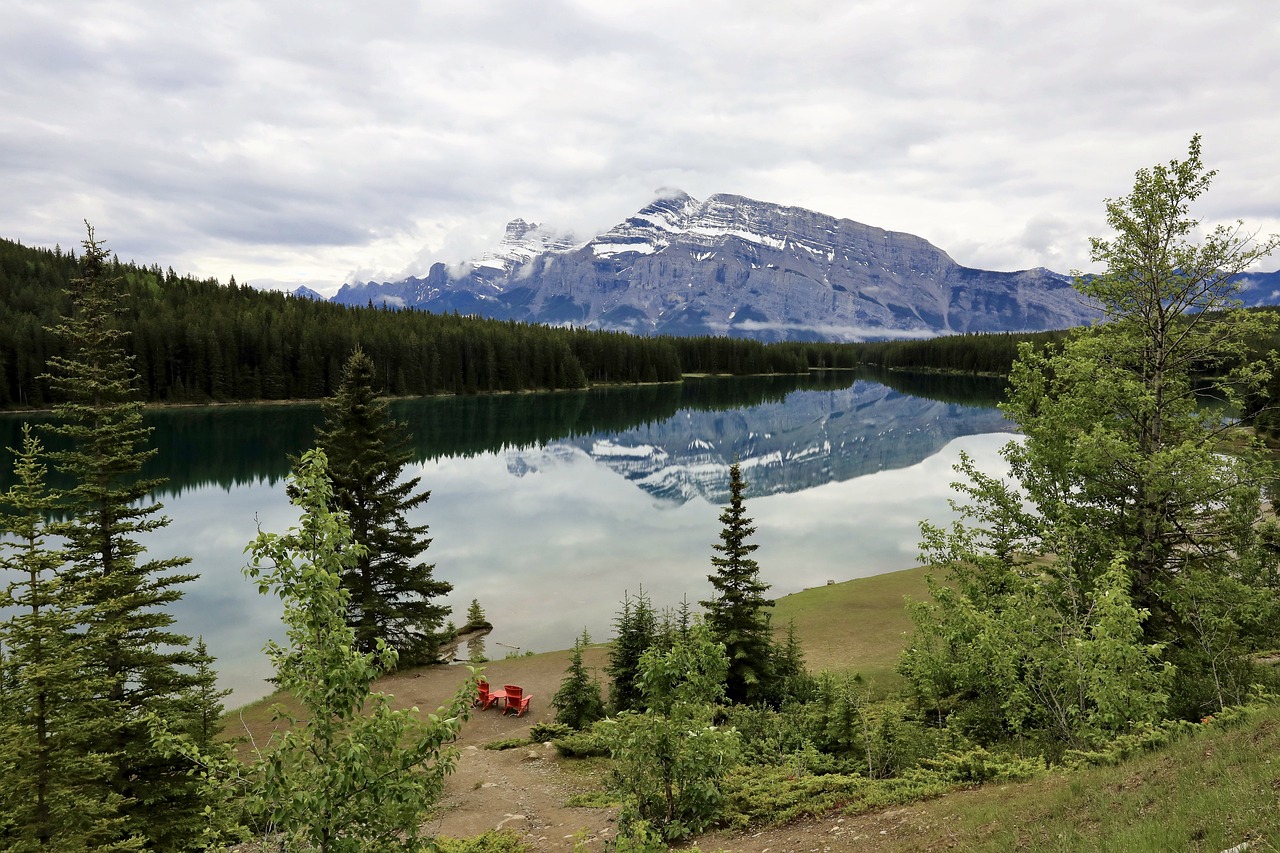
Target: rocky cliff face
734,266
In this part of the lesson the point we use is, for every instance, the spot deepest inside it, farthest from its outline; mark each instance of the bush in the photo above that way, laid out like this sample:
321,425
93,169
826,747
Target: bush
507,743
543,732
584,744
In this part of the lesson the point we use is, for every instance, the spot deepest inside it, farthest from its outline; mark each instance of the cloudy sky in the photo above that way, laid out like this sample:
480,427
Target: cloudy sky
319,142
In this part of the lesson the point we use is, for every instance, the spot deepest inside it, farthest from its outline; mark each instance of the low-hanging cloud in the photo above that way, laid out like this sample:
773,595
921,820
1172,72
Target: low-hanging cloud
273,142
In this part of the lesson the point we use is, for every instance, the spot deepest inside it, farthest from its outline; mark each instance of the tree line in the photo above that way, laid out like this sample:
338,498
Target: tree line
196,340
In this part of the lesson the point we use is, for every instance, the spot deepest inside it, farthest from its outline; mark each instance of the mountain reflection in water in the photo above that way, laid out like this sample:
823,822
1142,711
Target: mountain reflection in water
548,507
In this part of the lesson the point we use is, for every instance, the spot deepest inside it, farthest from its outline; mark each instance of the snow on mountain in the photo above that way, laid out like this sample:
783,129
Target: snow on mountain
731,265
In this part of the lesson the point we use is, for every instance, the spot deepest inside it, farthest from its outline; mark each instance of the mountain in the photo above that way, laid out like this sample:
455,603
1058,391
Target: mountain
735,266
305,292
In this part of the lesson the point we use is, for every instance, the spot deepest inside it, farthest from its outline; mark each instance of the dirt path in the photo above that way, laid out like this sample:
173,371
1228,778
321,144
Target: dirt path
522,789
525,789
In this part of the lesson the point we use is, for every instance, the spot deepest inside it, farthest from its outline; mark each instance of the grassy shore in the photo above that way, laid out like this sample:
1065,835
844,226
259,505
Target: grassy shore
1210,790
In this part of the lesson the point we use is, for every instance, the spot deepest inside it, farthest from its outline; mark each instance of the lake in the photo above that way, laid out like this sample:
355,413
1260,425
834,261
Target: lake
549,508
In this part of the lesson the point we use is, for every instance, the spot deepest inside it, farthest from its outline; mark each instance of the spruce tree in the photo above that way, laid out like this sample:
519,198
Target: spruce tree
578,702
738,614
130,650
637,630
392,596
51,782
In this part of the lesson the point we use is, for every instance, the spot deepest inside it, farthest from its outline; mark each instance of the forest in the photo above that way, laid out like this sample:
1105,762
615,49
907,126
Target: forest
198,341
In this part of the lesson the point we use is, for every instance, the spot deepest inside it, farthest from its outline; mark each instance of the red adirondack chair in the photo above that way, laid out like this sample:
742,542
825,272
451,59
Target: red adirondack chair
516,700
484,698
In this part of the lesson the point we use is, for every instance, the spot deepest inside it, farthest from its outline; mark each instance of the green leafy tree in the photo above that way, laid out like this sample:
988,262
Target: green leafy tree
578,702
129,648
1121,574
738,615
393,597
350,773
52,784
669,759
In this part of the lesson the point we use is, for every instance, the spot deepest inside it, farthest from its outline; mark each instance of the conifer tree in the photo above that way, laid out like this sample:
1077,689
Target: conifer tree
51,783
637,629
578,702
738,614
392,596
125,627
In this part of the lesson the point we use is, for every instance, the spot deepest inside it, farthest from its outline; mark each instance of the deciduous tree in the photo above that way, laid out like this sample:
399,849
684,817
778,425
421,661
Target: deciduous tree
1128,536
350,773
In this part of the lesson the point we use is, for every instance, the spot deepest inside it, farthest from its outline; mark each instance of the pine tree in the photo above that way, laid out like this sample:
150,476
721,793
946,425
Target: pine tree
392,597
578,702
51,787
125,624
737,616
637,629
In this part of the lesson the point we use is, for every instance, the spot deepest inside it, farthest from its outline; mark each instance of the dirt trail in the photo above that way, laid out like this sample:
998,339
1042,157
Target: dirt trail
522,789
525,789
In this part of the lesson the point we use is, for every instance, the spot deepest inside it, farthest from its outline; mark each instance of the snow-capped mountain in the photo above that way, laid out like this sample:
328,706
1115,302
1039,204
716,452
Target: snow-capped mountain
736,266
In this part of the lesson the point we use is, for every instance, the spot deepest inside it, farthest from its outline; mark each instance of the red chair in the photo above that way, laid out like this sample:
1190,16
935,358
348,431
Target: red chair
483,697
516,700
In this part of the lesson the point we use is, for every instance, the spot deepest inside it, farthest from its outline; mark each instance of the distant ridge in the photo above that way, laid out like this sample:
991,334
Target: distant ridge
734,266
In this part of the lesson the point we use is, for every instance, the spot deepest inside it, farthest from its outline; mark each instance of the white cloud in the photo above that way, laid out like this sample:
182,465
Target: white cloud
304,143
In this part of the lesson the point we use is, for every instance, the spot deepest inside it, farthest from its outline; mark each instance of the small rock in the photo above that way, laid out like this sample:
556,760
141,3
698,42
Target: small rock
511,818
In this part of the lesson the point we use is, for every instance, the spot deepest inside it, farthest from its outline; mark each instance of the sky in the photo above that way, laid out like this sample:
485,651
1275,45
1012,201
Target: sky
290,143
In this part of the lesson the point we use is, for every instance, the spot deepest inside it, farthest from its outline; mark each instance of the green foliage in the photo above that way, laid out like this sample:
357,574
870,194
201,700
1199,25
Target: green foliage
391,595
54,791
475,616
351,774
636,628
578,702
779,795
668,760
507,743
492,841
123,619
588,743
543,732
1122,569
738,614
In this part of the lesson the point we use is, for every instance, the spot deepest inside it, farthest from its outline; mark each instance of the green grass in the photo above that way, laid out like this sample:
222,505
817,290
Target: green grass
1207,792
859,626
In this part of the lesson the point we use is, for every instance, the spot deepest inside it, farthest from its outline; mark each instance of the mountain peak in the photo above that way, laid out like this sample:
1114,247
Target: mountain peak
732,265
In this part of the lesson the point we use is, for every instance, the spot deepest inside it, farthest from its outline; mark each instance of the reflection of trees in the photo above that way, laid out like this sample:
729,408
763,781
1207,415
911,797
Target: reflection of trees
236,445
230,446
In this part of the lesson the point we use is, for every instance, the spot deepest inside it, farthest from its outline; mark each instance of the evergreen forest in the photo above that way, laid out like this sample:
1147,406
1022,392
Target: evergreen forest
198,341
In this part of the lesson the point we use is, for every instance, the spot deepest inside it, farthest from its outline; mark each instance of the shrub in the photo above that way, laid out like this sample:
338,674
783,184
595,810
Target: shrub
588,743
543,732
